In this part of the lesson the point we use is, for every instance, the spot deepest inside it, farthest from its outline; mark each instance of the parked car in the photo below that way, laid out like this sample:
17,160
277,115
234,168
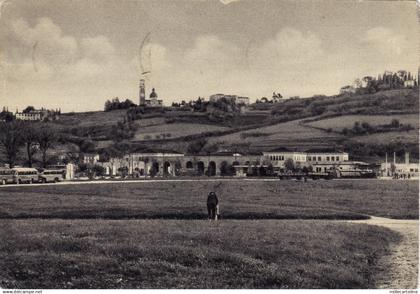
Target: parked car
25,175
51,176
6,175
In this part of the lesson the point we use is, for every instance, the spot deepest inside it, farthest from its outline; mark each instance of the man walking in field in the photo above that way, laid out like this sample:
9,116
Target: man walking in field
212,203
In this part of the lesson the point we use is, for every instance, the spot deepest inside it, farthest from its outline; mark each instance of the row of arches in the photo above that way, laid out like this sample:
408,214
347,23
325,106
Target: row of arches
200,167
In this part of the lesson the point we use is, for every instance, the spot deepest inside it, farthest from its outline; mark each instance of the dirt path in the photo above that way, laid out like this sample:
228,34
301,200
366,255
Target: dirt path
399,269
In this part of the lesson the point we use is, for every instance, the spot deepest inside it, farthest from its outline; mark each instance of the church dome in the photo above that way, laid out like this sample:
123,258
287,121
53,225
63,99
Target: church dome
153,94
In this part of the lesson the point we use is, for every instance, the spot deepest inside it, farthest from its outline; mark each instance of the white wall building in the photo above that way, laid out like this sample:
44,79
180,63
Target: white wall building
242,100
400,170
314,156
279,156
90,158
30,116
153,100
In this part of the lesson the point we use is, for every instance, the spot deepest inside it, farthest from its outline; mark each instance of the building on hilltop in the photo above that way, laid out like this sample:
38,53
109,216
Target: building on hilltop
348,90
153,100
242,100
409,84
217,97
231,98
38,115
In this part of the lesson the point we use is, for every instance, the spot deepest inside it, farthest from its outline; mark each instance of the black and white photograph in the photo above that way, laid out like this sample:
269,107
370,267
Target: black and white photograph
209,144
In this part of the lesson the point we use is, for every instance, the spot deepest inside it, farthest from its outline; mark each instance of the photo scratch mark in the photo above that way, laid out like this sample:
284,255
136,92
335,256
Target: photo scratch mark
143,69
34,47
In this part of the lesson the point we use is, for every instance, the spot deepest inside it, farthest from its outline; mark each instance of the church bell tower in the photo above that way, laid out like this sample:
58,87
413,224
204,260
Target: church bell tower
142,93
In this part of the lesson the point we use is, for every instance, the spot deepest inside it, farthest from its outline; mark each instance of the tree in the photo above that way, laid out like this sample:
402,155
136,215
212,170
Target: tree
30,139
122,130
196,146
393,168
226,169
178,168
270,170
262,171
86,146
153,170
6,116
116,104
28,109
357,83
46,138
395,123
357,129
11,140
289,164
98,170
108,105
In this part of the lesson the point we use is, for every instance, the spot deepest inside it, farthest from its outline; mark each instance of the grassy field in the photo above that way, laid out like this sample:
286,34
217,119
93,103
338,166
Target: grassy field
174,130
389,137
154,234
337,199
93,118
347,121
290,134
189,254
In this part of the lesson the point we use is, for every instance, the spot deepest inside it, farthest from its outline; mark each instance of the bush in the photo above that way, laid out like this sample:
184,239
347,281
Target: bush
253,134
87,146
289,164
98,170
134,113
395,123
122,131
226,169
196,146
116,104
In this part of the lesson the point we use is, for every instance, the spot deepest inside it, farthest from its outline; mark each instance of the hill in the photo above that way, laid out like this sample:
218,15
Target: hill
318,121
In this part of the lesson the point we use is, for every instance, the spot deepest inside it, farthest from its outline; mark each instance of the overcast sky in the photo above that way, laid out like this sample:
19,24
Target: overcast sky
76,54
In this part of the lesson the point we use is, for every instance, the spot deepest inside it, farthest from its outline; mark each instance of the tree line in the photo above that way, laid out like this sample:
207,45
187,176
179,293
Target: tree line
363,128
30,136
115,103
386,81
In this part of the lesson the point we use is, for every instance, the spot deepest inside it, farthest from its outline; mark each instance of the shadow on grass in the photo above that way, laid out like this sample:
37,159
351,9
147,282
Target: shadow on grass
189,216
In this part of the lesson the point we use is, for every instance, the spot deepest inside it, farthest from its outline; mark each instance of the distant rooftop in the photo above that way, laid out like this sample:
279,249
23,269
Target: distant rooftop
280,149
323,150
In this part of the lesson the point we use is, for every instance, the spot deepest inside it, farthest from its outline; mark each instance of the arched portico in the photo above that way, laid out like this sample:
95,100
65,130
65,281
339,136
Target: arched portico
211,170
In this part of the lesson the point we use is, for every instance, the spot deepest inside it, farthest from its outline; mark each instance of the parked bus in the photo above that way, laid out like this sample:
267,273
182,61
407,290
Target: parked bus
51,176
355,169
6,175
26,175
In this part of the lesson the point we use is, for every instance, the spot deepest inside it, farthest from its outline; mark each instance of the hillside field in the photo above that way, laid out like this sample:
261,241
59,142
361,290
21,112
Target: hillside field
347,121
173,130
411,137
93,118
290,134
297,124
